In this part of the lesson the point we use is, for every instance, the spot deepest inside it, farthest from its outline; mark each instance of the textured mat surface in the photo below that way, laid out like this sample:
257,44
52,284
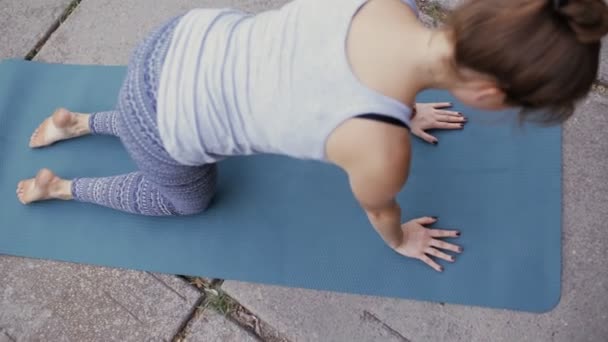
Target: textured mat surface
295,223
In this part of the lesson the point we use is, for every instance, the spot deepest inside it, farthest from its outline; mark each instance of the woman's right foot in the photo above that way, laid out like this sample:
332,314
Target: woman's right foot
44,187
62,125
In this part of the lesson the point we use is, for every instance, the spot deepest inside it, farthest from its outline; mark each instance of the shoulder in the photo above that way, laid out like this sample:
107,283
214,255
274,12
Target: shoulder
374,149
393,8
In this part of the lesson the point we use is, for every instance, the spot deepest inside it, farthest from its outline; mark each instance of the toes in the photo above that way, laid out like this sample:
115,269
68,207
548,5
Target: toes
35,139
21,192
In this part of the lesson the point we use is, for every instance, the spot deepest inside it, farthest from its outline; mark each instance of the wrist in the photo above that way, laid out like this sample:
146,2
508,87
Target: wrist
396,243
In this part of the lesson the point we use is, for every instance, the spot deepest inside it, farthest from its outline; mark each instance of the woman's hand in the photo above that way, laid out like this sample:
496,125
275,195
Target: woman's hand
434,116
421,243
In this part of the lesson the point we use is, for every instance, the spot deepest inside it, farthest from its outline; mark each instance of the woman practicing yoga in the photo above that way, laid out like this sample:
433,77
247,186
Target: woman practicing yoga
333,81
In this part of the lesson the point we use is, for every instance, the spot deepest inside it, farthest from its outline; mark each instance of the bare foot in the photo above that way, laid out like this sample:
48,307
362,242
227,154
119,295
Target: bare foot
45,186
62,125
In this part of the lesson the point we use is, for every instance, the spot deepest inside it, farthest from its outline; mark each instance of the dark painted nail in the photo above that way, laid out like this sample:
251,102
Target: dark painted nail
457,233
435,142
452,259
440,268
461,126
435,217
460,249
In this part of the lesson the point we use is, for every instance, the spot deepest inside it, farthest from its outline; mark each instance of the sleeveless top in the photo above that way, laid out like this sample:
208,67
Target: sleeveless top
276,82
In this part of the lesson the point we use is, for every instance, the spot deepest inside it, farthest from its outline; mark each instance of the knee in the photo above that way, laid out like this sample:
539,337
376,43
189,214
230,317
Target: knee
196,197
192,207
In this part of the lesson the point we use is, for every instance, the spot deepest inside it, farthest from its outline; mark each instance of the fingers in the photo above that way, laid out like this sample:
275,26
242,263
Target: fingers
448,125
451,118
426,220
425,136
450,113
441,233
445,245
440,105
439,254
431,263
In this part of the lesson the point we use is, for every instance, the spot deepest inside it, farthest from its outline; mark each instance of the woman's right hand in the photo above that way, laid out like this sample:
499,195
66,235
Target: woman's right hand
421,243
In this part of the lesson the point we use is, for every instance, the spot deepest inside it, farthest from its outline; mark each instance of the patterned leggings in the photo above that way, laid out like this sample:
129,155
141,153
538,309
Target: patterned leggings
162,186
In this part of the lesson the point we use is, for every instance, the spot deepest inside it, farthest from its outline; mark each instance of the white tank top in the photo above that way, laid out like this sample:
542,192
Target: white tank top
277,82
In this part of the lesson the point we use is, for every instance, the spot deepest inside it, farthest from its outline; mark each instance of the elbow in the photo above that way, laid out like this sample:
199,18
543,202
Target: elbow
375,214
379,213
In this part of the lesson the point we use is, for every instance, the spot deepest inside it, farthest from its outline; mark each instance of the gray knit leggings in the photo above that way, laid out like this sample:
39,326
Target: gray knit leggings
162,186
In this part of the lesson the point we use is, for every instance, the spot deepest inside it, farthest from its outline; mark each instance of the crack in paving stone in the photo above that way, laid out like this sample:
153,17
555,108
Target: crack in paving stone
62,18
123,307
4,332
182,331
368,316
167,286
224,304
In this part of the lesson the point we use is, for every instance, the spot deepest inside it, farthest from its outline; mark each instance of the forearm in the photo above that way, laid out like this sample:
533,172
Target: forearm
387,222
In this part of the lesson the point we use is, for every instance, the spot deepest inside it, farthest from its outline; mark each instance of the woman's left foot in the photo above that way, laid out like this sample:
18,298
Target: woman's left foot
45,186
62,125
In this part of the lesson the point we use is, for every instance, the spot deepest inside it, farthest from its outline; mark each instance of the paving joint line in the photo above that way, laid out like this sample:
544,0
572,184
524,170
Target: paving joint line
167,286
222,303
62,18
182,331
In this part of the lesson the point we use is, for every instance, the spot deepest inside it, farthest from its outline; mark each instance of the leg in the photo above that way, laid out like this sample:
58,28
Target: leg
132,193
63,125
104,123
136,193
162,186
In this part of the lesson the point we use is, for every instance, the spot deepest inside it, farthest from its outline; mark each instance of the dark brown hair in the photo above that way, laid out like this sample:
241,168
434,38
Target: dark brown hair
543,54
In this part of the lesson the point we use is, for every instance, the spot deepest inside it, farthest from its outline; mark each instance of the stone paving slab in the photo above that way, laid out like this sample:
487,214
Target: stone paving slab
210,326
52,301
582,314
25,22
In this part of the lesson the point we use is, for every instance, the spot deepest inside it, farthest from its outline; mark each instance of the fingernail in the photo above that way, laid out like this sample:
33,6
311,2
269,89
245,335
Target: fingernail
461,126
452,259
457,233
465,119
435,218
435,142
460,249
440,268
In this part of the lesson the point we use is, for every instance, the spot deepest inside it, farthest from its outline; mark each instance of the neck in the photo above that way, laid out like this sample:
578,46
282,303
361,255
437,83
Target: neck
430,68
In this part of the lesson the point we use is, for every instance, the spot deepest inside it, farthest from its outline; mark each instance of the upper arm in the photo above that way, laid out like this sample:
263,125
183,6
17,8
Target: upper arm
375,182
376,158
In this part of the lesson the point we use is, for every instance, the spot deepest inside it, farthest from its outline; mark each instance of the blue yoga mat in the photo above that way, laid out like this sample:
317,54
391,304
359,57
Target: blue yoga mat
295,223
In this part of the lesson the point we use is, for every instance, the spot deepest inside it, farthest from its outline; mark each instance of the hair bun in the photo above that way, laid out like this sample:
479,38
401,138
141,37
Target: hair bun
587,18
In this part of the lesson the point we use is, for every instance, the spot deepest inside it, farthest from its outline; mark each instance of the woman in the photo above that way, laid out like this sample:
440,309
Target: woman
334,82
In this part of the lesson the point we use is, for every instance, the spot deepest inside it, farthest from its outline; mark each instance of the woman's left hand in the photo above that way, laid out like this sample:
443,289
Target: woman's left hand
434,116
